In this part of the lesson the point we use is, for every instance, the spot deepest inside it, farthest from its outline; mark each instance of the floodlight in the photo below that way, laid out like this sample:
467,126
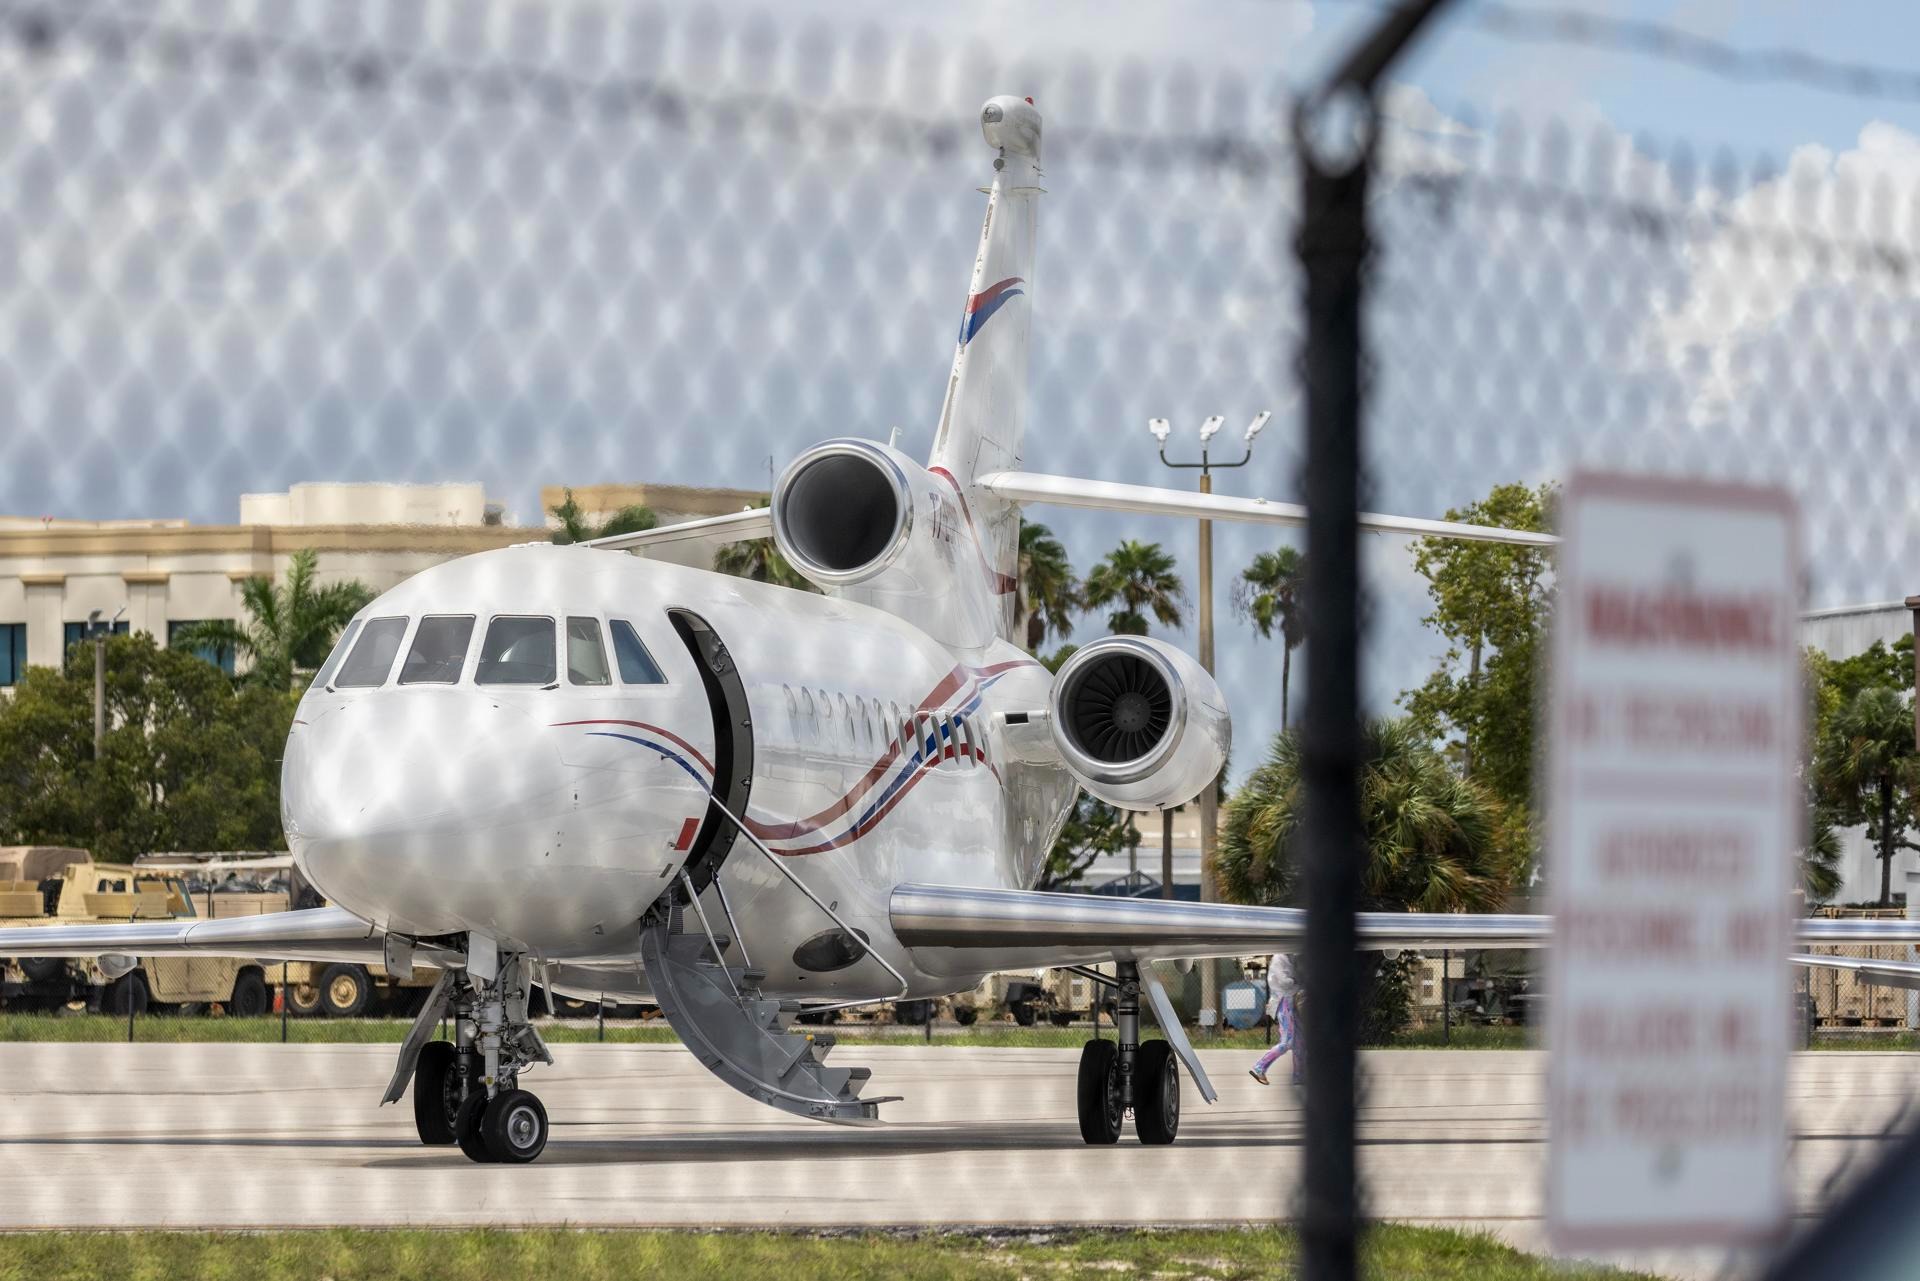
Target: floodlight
1160,428
1259,421
1209,427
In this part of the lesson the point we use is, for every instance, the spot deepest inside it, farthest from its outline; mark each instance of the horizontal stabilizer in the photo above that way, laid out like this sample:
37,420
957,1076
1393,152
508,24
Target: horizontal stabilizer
1104,495
734,527
315,934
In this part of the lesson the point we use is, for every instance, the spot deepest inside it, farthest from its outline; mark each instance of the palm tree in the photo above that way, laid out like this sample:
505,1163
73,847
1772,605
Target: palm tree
576,528
1047,590
760,560
1433,836
1137,577
1864,767
1267,594
1820,860
288,628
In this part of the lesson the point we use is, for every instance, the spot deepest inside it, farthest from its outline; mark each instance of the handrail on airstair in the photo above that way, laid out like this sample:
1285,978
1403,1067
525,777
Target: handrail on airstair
849,931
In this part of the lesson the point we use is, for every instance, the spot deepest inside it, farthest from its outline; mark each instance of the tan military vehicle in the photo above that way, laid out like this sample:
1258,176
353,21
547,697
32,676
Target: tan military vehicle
337,990
113,892
29,889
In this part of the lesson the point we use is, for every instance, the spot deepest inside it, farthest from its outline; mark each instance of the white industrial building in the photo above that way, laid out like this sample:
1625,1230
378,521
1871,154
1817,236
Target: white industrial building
159,575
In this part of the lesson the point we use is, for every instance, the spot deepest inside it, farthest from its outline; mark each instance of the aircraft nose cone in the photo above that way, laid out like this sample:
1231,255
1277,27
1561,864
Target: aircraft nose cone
395,798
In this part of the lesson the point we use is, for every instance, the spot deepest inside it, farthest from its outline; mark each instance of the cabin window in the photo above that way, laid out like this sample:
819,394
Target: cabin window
518,651
586,654
373,655
963,742
439,650
903,730
636,664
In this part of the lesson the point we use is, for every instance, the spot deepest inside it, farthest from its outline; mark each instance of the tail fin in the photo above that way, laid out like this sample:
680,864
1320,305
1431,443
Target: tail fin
985,415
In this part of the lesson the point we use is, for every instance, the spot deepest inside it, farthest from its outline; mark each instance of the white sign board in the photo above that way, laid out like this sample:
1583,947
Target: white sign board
1674,816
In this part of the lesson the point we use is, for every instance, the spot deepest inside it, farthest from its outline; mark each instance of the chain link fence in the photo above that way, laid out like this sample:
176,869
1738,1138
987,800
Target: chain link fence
251,245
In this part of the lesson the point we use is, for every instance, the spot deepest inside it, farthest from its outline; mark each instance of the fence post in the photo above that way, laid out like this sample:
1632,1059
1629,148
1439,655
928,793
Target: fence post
1335,130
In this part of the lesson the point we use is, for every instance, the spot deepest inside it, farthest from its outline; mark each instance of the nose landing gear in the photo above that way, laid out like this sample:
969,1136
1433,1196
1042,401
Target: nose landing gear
1121,1076
466,1091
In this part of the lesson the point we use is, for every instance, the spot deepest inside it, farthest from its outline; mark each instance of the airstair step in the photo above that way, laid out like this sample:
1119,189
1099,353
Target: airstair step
744,1039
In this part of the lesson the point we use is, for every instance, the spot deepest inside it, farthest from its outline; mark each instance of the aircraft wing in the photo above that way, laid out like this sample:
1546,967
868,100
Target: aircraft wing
734,527
314,934
1885,973
1104,495
1022,929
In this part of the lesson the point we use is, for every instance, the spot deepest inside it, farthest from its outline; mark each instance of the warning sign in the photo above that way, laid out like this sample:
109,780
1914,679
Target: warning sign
1674,816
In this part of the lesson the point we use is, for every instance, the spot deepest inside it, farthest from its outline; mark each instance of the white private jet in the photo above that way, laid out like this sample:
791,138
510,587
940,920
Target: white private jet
625,779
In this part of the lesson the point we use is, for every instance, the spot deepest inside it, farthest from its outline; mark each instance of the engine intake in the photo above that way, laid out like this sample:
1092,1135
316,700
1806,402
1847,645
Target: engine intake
842,512
1139,723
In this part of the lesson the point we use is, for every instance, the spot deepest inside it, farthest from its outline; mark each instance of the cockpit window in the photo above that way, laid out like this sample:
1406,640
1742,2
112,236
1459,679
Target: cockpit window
586,655
518,651
439,650
324,676
636,664
373,655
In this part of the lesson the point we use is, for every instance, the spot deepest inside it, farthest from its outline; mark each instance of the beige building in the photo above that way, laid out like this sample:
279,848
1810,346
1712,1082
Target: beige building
159,575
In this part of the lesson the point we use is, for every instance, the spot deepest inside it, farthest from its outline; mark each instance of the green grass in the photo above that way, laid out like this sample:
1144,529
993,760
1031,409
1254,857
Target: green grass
1471,1036
1392,1253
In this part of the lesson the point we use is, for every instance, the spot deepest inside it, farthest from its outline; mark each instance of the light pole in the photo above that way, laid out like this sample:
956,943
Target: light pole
1209,798
98,632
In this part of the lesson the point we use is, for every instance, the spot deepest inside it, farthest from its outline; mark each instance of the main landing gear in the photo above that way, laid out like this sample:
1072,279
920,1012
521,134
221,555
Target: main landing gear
466,1091
1118,1077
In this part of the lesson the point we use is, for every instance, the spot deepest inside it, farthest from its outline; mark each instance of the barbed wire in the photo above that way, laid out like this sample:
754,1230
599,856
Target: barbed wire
1541,25
40,30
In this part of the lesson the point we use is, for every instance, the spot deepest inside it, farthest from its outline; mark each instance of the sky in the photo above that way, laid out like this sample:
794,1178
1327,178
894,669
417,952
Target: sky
239,272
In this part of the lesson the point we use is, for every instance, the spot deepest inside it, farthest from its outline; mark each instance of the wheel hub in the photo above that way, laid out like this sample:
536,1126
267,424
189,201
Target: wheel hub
523,1127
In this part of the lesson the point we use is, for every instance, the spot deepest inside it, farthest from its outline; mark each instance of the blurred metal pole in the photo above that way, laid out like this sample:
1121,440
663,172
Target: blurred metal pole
1210,798
1446,998
283,1003
1335,129
1166,853
99,691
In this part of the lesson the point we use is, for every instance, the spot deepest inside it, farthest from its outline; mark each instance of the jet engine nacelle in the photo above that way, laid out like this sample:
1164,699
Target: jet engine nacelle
863,521
1139,723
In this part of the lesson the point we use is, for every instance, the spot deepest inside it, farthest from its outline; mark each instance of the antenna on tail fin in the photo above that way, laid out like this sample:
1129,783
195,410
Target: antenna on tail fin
985,415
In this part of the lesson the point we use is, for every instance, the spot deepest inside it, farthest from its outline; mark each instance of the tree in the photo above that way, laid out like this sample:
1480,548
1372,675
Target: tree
190,760
289,628
760,560
1139,578
1835,681
1436,842
1048,592
576,528
1268,595
1492,602
1434,837
1865,769
1820,860
1093,829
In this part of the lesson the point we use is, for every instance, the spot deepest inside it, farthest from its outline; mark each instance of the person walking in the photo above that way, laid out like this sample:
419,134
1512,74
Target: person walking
1282,1007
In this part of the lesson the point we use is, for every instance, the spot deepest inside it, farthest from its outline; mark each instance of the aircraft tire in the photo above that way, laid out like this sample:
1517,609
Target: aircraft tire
1156,1094
436,1093
514,1127
1101,1111
466,1128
